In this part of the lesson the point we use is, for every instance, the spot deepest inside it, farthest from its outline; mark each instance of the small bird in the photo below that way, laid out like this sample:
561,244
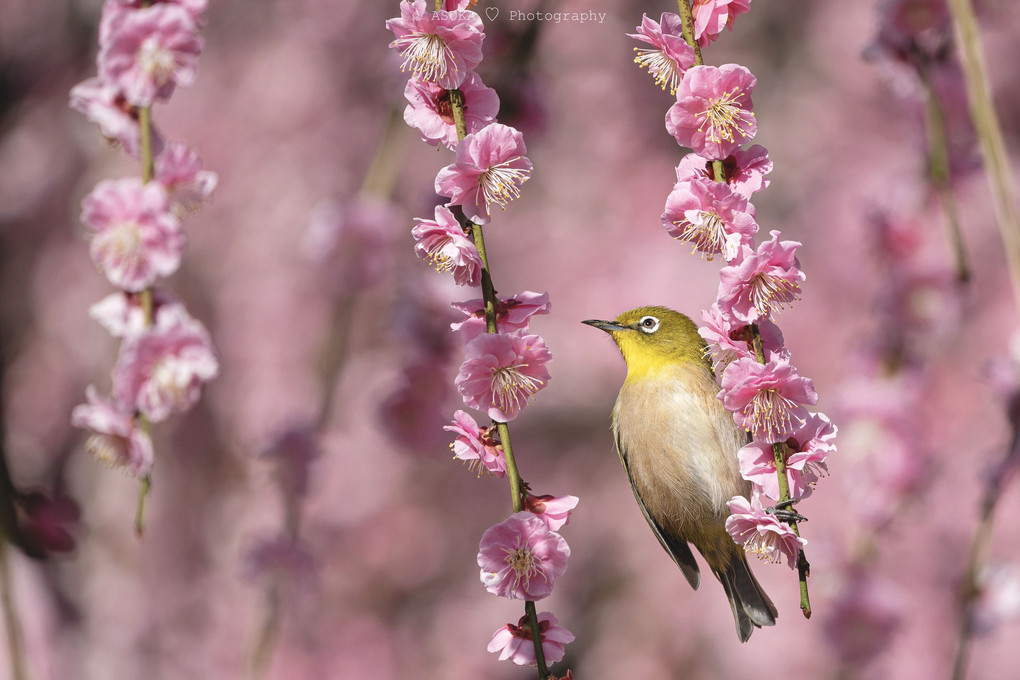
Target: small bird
679,448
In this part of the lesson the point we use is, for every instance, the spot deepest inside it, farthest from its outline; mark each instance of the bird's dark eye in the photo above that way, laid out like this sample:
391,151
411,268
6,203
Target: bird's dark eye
648,324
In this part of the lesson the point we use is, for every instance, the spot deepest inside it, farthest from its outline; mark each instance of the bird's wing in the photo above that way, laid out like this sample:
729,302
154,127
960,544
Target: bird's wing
677,549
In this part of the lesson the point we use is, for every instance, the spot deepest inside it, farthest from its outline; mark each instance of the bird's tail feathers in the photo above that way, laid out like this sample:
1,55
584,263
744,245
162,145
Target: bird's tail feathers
751,607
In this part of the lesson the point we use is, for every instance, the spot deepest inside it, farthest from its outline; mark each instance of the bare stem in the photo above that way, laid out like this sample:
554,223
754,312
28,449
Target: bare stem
687,19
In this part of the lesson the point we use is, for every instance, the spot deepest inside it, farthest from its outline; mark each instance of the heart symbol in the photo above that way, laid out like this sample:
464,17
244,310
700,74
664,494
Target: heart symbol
492,13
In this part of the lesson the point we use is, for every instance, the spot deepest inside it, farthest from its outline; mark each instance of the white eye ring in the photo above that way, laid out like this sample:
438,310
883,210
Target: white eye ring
648,324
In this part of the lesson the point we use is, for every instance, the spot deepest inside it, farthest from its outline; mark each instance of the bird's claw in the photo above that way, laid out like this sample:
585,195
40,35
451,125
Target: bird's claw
783,514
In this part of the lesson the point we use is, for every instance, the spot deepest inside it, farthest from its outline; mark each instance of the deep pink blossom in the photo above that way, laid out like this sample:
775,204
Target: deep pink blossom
670,55
762,282
490,168
150,52
122,314
45,522
521,557
744,170
554,510
430,113
179,169
513,313
767,399
807,450
709,216
444,245
437,47
161,371
135,237
502,371
116,438
477,446
760,532
517,643
712,16
104,105
713,112
729,339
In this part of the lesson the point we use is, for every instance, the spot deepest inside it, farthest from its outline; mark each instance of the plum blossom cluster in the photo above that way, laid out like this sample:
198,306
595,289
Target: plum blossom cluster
133,226
505,363
710,209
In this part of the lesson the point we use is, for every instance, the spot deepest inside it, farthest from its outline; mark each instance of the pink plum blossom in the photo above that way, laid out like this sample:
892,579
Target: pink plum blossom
443,244
729,339
161,371
767,399
135,237
437,47
517,643
150,52
490,168
760,532
351,240
429,110
554,510
512,314
712,16
122,314
104,105
709,216
502,371
807,449
670,55
179,169
713,112
761,282
116,438
45,522
744,170
115,10
476,446
521,557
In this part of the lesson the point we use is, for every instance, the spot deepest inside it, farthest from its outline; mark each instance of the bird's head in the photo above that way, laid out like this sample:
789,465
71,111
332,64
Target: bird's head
650,338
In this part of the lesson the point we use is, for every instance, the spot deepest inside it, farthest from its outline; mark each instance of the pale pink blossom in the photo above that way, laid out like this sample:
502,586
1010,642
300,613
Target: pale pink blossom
521,557
760,532
998,601
517,643
438,47
489,169
477,446
444,245
806,452
728,339
766,399
116,438
759,283
513,313
150,52
713,114
115,10
502,371
122,314
162,370
709,216
670,55
179,169
554,510
712,16
135,237
430,113
105,105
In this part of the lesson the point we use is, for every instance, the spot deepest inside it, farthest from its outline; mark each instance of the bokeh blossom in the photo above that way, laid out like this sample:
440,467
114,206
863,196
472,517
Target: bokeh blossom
710,216
669,56
760,283
179,169
760,532
516,642
476,446
437,47
150,52
135,237
767,399
430,112
521,557
502,371
116,439
713,114
105,105
443,244
489,169
122,313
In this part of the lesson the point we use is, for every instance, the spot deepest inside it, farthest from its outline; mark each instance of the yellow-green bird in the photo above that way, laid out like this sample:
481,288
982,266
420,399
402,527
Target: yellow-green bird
679,448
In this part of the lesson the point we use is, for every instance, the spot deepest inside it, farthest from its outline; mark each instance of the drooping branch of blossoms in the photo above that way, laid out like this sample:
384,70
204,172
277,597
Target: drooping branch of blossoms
505,363
710,209
146,50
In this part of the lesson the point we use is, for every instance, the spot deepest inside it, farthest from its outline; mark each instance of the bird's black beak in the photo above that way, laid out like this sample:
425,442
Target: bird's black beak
607,326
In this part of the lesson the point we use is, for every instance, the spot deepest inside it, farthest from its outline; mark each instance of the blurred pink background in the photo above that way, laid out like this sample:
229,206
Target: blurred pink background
291,100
